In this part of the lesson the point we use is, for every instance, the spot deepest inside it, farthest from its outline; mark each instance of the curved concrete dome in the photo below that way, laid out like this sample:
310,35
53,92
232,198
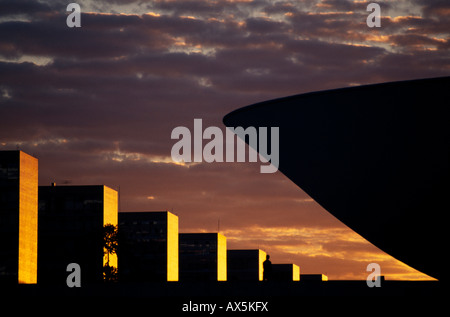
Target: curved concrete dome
375,156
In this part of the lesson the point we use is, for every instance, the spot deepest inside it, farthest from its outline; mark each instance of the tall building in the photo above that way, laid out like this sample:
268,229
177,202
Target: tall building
203,257
18,217
286,272
245,265
71,230
148,243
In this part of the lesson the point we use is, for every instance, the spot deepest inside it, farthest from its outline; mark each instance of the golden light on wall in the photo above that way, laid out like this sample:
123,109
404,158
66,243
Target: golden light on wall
221,257
110,216
261,258
295,272
172,247
28,219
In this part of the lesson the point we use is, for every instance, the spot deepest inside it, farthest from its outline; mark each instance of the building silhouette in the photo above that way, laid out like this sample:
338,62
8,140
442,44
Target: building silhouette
71,220
66,224
396,146
285,272
18,217
203,257
148,246
313,277
245,265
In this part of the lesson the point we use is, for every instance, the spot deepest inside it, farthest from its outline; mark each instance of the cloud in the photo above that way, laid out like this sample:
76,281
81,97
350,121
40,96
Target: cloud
334,252
23,8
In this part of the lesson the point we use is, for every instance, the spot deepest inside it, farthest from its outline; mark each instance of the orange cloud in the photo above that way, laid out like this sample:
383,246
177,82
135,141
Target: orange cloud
303,246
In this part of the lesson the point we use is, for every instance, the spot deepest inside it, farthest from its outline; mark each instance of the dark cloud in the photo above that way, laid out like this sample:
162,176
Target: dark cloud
23,7
265,26
435,8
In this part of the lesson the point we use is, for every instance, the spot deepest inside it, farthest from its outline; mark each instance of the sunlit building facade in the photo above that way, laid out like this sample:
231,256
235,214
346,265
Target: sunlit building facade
71,221
148,243
245,265
18,217
203,257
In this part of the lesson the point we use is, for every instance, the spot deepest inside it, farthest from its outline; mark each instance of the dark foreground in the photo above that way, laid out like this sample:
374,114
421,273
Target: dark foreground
275,294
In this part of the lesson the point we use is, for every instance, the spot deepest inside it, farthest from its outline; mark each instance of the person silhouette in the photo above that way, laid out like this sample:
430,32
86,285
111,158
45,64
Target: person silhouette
267,269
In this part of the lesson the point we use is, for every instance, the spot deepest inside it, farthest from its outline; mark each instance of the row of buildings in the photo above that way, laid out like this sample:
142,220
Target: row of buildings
45,228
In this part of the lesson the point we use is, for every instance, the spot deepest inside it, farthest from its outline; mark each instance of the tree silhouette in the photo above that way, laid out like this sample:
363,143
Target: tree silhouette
110,245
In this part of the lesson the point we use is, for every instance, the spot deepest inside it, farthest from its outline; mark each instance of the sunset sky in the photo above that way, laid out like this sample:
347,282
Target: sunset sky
97,104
